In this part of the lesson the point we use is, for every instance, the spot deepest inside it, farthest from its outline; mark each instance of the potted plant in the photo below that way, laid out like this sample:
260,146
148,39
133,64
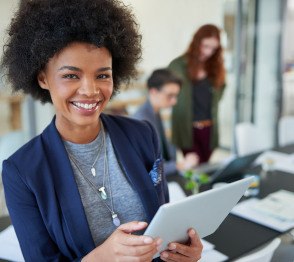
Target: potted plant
194,180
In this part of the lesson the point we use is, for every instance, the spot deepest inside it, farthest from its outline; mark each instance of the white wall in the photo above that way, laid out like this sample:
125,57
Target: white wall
288,47
267,66
167,26
7,7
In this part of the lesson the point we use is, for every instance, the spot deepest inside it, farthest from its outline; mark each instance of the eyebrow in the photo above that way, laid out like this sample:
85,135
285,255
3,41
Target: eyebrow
73,68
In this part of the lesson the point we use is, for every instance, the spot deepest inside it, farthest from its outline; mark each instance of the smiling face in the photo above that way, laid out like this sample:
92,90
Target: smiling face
79,79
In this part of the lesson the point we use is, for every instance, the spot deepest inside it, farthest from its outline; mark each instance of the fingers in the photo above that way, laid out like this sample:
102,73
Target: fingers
195,239
136,240
142,251
145,257
123,246
132,226
190,160
181,252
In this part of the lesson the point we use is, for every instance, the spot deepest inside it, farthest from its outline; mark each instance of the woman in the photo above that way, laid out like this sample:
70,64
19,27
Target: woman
79,190
194,117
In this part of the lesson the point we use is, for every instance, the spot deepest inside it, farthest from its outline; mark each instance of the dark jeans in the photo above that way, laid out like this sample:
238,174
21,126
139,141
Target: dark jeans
201,143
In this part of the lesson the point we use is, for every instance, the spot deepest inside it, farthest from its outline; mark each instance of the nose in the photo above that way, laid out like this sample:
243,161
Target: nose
89,87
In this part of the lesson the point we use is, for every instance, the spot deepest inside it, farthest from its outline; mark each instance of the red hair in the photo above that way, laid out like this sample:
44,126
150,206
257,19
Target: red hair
214,66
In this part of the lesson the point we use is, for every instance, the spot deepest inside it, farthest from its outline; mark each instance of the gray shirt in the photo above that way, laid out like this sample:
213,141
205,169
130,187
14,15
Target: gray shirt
125,200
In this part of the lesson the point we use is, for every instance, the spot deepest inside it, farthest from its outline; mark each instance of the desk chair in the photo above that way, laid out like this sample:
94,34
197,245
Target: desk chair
175,191
248,139
263,255
286,127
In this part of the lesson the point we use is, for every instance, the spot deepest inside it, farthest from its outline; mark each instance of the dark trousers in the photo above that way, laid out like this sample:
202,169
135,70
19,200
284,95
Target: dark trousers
201,144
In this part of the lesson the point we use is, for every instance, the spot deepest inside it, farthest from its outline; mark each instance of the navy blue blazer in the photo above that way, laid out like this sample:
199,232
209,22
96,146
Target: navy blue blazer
43,199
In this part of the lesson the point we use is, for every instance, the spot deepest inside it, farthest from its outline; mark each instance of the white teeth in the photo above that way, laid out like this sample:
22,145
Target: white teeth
85,106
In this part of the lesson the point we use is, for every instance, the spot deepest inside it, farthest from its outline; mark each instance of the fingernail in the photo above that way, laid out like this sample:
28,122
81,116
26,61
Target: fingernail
141,223
148,240
159,241
164,254
192,231
172,246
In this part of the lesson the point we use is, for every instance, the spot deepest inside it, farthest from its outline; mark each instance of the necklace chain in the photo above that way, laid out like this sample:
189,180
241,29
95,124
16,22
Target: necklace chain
93,170
101,191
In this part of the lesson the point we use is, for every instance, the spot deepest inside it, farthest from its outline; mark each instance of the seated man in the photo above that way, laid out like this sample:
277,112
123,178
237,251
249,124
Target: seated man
163,89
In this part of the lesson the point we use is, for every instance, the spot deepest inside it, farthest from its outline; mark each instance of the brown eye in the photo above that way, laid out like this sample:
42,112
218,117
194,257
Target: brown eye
70,76
103,76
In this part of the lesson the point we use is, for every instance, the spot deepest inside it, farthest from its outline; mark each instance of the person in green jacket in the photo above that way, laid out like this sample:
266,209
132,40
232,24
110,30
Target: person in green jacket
194,117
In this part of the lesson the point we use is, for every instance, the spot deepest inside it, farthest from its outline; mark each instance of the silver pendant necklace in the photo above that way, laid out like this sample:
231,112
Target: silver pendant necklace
101,191
93,170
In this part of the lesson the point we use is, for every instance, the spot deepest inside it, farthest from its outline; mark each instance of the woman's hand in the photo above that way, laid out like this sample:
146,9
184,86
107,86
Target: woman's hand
191,160
184,253
123,246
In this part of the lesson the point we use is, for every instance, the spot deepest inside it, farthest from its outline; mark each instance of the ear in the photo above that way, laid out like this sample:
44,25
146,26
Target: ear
42,80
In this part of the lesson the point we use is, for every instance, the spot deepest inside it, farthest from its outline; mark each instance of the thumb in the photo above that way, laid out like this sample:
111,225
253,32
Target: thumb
132,226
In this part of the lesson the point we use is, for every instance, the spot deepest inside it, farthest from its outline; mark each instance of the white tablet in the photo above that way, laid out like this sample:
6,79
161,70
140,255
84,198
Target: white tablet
204,212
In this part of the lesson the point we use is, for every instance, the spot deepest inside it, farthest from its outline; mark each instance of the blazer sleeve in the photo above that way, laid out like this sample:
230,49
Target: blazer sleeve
35,241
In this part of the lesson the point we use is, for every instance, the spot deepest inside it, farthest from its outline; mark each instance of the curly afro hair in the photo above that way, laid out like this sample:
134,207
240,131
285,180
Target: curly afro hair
41,28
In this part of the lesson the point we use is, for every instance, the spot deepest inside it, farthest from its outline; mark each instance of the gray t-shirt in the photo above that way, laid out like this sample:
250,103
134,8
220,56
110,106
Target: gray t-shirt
125,200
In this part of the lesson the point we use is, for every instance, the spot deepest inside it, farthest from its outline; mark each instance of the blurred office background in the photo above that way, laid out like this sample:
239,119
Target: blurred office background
258,41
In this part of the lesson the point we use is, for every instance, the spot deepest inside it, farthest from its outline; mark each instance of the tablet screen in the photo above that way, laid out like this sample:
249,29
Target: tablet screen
204,212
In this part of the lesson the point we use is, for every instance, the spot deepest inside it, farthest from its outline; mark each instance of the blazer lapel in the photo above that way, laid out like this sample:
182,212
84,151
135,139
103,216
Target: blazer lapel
67,192
133,166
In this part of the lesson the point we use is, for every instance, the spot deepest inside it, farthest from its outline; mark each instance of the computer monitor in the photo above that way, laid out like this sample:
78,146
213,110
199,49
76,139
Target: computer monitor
233,168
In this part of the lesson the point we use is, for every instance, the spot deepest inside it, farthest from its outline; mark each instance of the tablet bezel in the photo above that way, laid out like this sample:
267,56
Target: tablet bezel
204,212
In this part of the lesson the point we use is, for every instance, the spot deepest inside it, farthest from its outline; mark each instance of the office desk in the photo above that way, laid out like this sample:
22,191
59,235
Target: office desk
237,236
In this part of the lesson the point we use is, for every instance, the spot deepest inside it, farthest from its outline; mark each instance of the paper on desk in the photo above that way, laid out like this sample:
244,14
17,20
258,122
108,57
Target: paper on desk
246,209
206,245
210,254
272,160
279,205
9,246
276,156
